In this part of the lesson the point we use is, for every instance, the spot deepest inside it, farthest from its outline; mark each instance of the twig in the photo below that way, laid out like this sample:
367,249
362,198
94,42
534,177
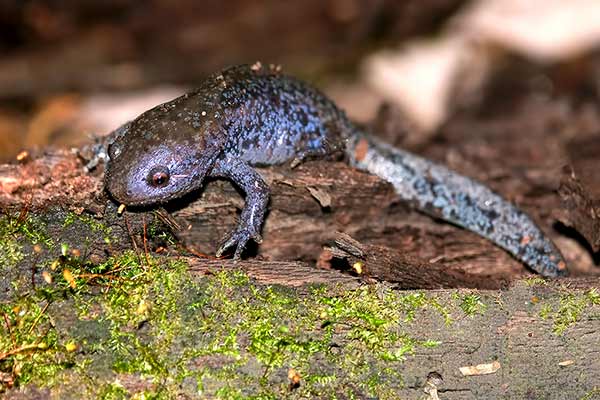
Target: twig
145,240
18,350
7,322
92,276
38,317
132,238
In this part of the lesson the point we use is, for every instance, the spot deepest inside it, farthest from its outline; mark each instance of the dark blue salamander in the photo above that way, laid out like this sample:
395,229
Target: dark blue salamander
250,116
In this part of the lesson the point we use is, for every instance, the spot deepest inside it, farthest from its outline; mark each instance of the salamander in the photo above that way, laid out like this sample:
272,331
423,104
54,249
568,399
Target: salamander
246,117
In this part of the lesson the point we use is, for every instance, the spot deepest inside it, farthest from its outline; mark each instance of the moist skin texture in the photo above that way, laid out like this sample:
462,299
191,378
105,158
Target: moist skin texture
249,116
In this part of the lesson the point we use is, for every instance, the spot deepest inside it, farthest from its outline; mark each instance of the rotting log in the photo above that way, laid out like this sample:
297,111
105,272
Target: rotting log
329,224
309,206
580,191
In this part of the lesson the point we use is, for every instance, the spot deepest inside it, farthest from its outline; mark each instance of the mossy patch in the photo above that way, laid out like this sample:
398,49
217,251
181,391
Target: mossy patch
535,281
570,308
15,230
137,326
28,246
95,226
470,303
592,394
159,334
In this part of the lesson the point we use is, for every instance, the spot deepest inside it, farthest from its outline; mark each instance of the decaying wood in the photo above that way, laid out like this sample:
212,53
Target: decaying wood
406,272
580,190
298,226
287,273
310,204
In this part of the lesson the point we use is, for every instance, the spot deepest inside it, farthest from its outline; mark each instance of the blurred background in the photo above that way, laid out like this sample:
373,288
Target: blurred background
70,69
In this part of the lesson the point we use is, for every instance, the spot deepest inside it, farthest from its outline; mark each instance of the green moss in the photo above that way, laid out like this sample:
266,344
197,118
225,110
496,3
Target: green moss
282,331
535,281
17,230
94,224
159,233
113,391
470,303
223,336
546,311
592,394
29,345
154,332
10,252
570,308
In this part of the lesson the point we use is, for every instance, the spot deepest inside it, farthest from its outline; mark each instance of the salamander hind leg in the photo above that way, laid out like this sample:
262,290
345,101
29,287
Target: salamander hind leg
315,147
257,197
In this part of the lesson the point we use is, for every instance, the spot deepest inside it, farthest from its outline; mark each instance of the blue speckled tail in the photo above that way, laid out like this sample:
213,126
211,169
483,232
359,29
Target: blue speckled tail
438,191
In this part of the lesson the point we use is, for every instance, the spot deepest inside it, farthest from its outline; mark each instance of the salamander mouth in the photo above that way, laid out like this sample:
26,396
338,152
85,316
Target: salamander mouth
124,194
131,201
121,194
145,196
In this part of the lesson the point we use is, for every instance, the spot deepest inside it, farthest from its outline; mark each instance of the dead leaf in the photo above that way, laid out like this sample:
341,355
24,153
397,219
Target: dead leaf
480,369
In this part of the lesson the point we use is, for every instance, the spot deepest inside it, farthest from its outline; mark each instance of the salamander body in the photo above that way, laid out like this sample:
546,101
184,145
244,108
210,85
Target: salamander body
250,116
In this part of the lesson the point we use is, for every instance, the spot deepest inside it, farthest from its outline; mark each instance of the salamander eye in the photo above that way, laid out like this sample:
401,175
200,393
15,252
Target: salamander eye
158,176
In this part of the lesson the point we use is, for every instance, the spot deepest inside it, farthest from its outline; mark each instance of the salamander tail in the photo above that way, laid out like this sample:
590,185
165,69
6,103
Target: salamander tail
442,193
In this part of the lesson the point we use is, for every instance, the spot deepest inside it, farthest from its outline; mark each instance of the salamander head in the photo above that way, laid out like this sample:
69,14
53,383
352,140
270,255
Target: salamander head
154,159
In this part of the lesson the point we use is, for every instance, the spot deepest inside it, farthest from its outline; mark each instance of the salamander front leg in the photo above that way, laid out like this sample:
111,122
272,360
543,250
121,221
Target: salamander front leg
253,214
